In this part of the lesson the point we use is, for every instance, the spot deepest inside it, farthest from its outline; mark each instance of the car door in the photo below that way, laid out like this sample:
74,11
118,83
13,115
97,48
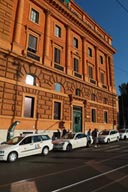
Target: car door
26,147
127,133
80,140
37,142
113,135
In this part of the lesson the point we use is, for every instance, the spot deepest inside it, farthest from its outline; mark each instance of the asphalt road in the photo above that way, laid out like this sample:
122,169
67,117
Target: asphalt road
102,169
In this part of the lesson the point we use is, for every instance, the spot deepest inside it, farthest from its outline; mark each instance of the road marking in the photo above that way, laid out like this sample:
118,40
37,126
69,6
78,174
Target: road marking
109,184
91,178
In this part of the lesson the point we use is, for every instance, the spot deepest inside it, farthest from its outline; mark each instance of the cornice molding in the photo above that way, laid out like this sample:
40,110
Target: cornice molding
82,25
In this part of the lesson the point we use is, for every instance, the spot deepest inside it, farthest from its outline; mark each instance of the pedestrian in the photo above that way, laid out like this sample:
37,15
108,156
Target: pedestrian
95,137
58,134
89,135
64,132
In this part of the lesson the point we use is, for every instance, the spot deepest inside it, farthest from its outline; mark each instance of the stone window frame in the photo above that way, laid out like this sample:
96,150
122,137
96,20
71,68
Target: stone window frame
76,64
105,118
77,92
34,15
101,59
58,31
60,111
93,119
90,71
34,79
102,77
75,42
90,54
34,105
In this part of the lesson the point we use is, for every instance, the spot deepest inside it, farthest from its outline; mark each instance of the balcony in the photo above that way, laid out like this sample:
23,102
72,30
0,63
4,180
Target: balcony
33,56
93,81
104,86
58,66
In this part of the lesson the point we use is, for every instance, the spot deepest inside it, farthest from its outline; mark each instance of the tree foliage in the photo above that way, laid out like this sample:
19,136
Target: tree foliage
123,105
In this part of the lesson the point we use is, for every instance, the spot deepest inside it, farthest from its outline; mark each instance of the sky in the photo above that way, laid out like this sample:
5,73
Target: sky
112,16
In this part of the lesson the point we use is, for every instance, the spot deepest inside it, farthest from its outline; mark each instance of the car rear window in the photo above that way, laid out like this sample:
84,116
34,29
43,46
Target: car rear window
45,137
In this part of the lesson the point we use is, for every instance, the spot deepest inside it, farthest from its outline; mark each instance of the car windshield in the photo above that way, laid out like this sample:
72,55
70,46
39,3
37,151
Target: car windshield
14,140
69,136
105,132
122,131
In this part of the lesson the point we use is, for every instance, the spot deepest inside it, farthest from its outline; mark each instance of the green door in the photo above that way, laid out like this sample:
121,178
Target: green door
77,119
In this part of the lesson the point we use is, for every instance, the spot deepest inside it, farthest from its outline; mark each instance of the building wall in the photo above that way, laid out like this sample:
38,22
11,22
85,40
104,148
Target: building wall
16,64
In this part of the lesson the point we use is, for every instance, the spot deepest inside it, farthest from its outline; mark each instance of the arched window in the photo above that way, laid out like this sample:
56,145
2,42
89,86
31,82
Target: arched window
105,101
78,92
30,80
57,87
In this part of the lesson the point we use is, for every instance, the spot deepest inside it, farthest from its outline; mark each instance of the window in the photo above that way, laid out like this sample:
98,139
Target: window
90,72
76,65
78,92
32,44
57,31
37,138
93,97
93,115
57,87
34,16
101,60
57,110
89,52
30,80
45,137
27,140
75,42
105,117
57,55
102,77
105,100
29,107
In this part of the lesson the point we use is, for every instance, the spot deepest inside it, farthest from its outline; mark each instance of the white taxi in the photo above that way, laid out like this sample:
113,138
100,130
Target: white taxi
71,141
107,136
25,145
123,133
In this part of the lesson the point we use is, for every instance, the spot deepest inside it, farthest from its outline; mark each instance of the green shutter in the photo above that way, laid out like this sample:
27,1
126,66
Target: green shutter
67,1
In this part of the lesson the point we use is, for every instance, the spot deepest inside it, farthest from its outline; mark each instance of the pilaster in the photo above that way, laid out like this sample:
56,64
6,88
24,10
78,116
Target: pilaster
18,27
47,60
68,43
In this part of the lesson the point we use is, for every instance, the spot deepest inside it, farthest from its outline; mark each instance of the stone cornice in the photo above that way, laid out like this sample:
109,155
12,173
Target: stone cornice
81,24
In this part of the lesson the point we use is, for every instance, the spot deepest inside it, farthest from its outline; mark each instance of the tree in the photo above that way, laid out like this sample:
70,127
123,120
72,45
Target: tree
123,104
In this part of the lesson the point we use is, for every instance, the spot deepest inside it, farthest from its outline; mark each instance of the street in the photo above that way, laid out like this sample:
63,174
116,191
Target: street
87,169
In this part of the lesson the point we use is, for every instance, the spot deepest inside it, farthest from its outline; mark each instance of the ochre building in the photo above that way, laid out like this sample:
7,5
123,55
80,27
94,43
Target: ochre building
56,68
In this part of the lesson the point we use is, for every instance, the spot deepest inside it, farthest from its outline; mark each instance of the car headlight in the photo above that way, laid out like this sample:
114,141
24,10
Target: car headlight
62,143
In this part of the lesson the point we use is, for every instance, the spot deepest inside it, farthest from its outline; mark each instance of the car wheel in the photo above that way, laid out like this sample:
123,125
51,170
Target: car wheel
45,151
125,137
69,148
89,144
108,141
12,157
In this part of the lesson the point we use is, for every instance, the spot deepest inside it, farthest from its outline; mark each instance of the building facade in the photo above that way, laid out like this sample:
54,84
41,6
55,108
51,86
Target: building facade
56,68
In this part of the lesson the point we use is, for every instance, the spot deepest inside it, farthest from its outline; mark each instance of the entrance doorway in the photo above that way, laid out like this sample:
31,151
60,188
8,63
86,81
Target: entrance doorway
77,119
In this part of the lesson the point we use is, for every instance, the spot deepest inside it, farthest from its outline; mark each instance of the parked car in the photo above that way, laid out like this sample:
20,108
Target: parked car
25,145
107,136
71,141
123,133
